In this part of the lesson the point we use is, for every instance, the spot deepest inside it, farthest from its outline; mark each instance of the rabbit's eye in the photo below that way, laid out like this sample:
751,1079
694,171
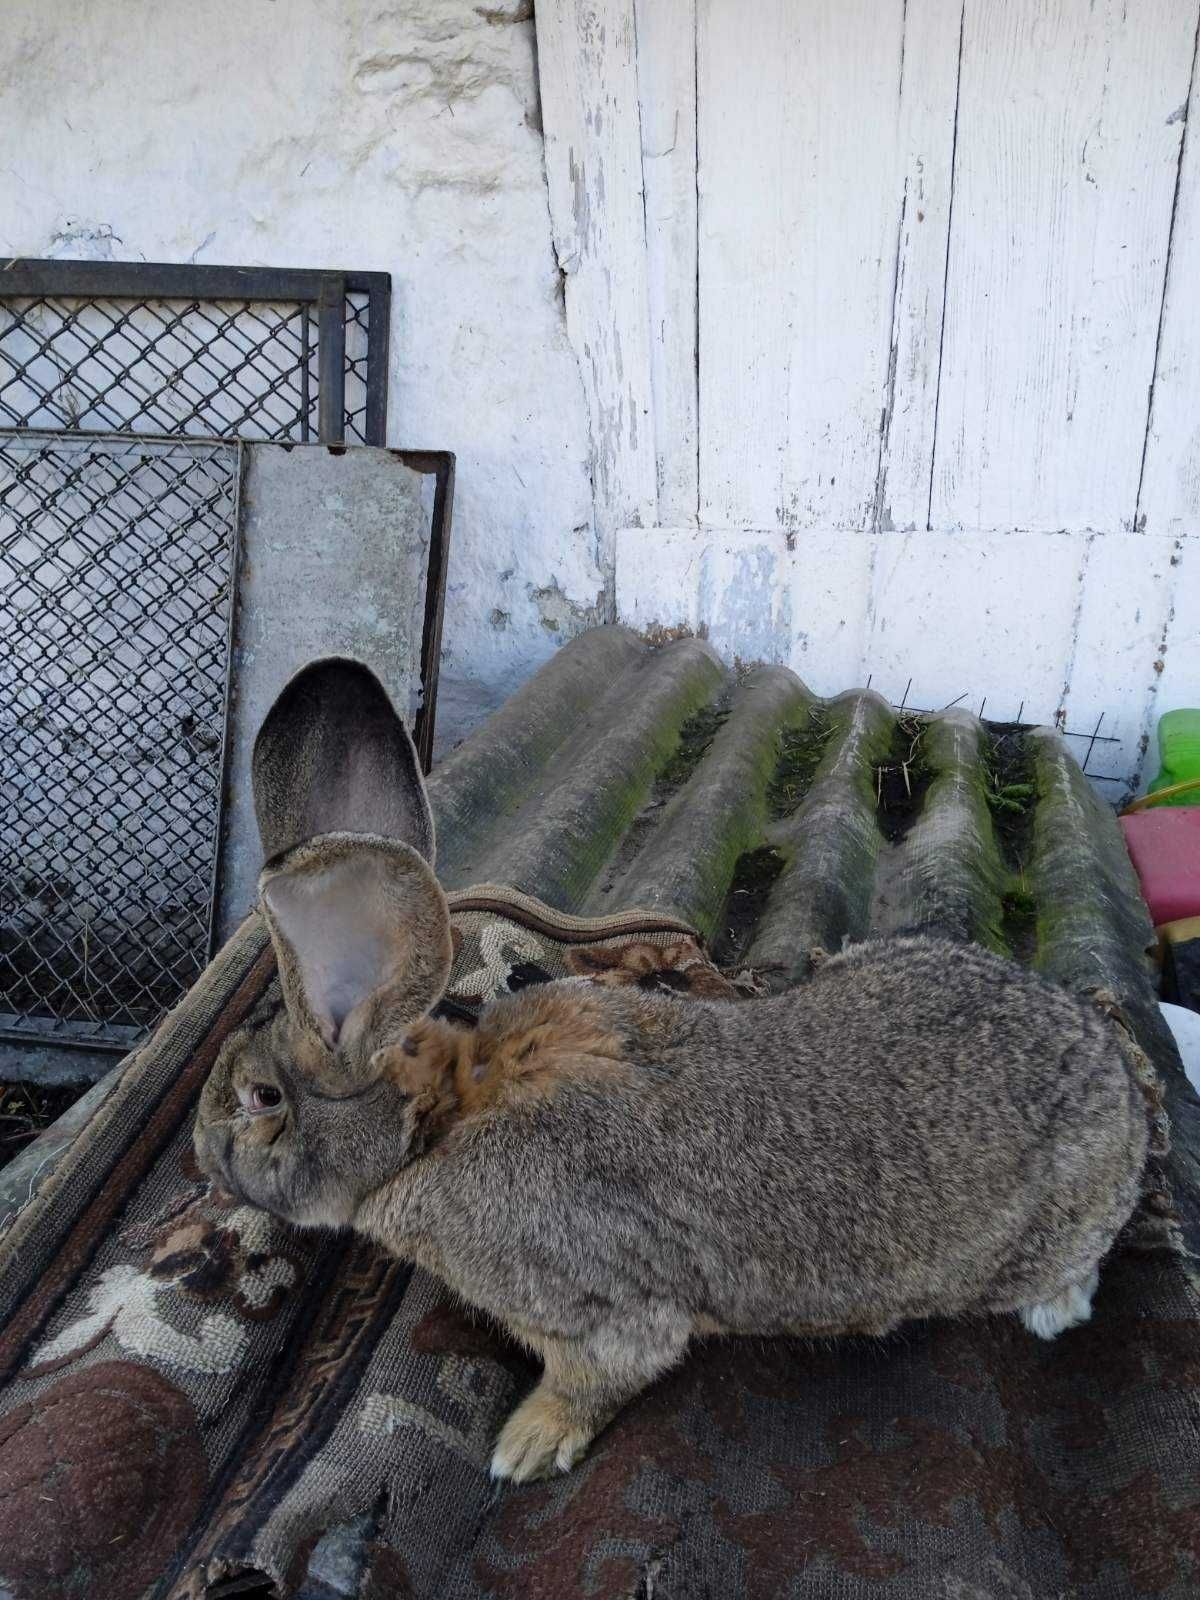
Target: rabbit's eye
258,1097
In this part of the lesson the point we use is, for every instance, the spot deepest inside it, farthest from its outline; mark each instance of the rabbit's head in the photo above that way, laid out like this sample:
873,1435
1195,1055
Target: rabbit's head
299,1115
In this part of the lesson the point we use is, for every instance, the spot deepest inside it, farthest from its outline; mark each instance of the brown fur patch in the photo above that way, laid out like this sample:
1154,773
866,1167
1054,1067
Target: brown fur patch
680,965
527,1052
549,1041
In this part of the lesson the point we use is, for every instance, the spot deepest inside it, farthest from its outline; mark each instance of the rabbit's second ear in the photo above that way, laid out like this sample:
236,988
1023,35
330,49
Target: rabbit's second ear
332,756
362,932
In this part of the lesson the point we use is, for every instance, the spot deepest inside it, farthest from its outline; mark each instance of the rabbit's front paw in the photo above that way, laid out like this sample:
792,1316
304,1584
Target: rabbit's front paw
544,1434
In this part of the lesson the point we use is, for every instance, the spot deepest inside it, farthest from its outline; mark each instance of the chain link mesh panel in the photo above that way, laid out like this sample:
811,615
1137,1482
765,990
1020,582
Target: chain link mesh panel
215,369
116,566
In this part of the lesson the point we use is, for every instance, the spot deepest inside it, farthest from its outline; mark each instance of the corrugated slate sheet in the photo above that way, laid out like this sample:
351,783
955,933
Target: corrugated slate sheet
624,774
631,774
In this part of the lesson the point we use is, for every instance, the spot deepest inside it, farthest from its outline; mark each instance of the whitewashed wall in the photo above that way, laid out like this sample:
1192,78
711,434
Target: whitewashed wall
894,336
316,134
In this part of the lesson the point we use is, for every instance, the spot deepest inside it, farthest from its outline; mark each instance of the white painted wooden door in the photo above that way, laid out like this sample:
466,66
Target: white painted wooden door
889,314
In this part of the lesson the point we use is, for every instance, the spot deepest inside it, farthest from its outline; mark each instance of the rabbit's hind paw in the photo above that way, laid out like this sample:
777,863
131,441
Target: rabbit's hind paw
543,1435
1067,1310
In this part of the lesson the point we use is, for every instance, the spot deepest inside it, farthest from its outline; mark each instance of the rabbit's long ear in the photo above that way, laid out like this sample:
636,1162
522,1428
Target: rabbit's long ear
362,932
332,756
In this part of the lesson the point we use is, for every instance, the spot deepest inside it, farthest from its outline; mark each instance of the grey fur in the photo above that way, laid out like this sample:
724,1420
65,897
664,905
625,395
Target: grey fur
920,1130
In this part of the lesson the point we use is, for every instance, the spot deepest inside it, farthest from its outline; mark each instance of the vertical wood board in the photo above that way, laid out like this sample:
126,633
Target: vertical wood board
1169,501
1064,177
666,50
1126,594
587,62
799,202
928,102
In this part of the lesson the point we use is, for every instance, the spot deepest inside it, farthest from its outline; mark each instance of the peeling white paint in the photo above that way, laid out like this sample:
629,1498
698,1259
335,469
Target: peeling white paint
588,66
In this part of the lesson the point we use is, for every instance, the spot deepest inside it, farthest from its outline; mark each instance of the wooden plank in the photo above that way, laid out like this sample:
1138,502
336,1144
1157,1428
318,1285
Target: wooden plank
798,208
1064,177
928,105
973,615
755,596
587,67
1124,604
1169,493
666,51
1064,626
1176,680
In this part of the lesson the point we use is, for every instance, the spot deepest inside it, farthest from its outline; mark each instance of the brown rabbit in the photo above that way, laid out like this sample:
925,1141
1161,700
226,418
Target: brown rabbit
922,1129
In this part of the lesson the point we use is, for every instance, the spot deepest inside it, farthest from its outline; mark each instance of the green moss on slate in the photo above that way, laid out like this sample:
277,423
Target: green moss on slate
695,737
677,751
682,727
875,735
754,875
902,778
764,725
800,752
699,863
1093,927
832,843
1011,791
1019,926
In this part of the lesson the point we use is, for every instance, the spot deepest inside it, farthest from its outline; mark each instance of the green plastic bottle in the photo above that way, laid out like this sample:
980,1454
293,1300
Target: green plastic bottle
1178,756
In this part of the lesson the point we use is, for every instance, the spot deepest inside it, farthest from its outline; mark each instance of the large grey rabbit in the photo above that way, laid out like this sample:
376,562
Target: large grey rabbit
921,1130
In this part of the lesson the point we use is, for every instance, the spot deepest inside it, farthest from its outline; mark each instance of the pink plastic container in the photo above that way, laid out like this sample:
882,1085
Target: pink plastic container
1165,847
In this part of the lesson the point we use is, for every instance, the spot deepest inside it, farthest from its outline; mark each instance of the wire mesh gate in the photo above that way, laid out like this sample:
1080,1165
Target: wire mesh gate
117,562
212,352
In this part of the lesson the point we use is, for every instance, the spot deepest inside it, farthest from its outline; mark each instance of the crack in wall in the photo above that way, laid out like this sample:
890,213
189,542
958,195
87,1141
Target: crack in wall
937,393
1139,516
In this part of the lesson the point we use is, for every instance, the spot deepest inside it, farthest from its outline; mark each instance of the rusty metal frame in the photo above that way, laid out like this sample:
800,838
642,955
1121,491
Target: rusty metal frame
441,464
